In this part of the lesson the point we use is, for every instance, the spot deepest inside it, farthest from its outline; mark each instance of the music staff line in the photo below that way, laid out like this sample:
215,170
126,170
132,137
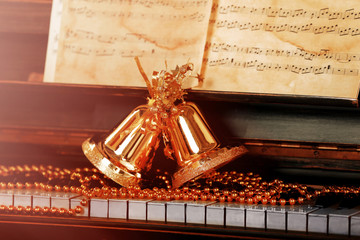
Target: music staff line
323,53
298,69
90,13
290,13
113,52
305,28
153,3
112,39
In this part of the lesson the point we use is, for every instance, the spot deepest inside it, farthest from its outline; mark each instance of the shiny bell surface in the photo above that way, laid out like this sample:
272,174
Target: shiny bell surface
190,135
128,150
194,146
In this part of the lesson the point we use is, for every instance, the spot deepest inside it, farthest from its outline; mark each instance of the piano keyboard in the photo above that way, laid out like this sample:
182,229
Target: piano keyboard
297,218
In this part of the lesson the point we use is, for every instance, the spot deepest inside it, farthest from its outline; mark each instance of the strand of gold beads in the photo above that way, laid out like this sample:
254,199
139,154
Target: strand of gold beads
244,188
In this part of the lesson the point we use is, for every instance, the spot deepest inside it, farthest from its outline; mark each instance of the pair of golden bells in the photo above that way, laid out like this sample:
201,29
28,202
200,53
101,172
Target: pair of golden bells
127,151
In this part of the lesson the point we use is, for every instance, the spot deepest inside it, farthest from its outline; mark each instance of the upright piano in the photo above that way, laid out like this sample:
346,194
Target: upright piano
310,141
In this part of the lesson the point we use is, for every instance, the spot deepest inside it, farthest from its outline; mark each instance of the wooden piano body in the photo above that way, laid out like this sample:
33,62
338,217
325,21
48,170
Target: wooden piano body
311,141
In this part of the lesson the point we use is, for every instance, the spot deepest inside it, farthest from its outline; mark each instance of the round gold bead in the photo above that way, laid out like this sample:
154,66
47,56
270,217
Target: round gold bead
45,210
37,209
53,210
62,211
78,209
28,210
19,185
28,185
71,212
203,197
150,195
3,208
249,200
213,197
168,197
11,208
84,202
66,188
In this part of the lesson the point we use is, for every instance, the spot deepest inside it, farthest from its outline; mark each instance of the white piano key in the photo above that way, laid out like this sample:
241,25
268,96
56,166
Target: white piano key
318,220
297,218
137,209
23,197
176,211
61,199
41,199
235,215
74,202
196,212
215,214
276,217
255,216
118,208
355,225
339,221
6,197
99,207
156,211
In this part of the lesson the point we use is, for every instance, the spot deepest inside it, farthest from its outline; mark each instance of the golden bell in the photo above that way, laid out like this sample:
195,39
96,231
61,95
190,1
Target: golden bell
128,150
194,145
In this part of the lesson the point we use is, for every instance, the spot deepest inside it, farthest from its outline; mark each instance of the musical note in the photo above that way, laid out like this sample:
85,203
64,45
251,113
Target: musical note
271,12
293,68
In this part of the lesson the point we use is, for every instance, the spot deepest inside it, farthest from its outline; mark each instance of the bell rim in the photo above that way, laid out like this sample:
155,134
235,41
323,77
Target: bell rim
206,164
105,165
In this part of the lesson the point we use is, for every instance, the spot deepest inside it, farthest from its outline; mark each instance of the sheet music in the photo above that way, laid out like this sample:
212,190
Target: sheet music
284,47
99,39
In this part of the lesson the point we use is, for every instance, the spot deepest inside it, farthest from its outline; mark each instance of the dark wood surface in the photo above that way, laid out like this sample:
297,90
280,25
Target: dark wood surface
98,228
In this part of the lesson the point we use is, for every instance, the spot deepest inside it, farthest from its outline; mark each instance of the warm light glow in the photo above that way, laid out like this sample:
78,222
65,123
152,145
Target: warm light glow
194,147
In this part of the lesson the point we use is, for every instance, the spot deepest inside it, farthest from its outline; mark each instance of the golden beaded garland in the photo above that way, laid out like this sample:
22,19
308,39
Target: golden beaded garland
244,188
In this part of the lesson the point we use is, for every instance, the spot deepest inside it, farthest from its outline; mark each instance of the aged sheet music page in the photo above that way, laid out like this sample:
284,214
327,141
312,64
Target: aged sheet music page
99,39
301,47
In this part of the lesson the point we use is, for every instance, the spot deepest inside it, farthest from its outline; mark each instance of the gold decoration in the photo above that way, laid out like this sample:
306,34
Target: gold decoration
128,150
